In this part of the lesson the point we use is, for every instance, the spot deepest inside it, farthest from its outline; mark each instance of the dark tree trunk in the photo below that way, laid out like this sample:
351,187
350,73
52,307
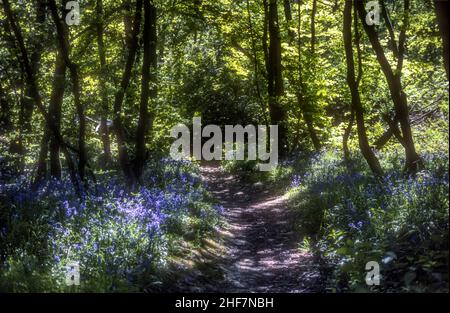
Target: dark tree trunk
27,102
42,168
393,130
49,142
413,161
64,48
148,77
275,79
307,105
313,28
104,130
124,158
5,112
31,80
28,105
301,101
441,8
254,58
128,22
288,16
265,36
392,42
353,84
346,136
55,111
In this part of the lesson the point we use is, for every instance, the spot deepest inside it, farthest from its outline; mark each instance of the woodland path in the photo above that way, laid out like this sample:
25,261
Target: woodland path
257,248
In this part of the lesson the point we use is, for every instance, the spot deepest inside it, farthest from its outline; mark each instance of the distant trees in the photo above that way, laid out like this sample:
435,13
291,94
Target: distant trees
30,76
197,58
131,162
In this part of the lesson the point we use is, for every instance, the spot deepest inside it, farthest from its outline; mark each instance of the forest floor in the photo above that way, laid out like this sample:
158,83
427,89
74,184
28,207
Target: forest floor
255,250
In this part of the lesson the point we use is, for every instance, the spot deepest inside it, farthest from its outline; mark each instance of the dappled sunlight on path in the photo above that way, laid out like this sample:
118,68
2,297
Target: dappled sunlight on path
259,248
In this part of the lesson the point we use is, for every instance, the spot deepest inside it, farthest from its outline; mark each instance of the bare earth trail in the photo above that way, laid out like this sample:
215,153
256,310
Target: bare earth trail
258,245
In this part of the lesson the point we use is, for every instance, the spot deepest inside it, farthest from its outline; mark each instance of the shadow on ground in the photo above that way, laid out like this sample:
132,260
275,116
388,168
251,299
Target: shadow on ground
255,251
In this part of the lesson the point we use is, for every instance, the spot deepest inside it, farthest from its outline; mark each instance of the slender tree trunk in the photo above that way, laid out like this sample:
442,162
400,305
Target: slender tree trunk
5,112
313,28
148,77
27,106
393,130
288,16
56,101
442,9
128,22
27,103
301,88
413,160
104,130
392,42
64,48
49,142
124,158
265,36
353,84
42,168
275,79
256,65
346,136
306,103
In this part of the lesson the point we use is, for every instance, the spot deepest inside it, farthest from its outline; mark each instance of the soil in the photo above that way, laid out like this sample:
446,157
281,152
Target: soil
256,250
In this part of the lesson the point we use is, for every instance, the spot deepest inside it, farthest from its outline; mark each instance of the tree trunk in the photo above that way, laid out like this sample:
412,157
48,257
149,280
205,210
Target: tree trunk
64,48
124,159
306,103
5,112
254,58
56,101
104,130
352,81
27,103
288,16
346,136
275,79
148,77
413,161
301,101
265,36
42,168
442,9
393,130
313,28
48,138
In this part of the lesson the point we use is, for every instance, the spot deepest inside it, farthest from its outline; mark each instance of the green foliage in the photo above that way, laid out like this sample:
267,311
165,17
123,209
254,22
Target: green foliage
400,222
212,62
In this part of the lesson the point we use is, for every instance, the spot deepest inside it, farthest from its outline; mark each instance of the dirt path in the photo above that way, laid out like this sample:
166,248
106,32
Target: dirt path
259,249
